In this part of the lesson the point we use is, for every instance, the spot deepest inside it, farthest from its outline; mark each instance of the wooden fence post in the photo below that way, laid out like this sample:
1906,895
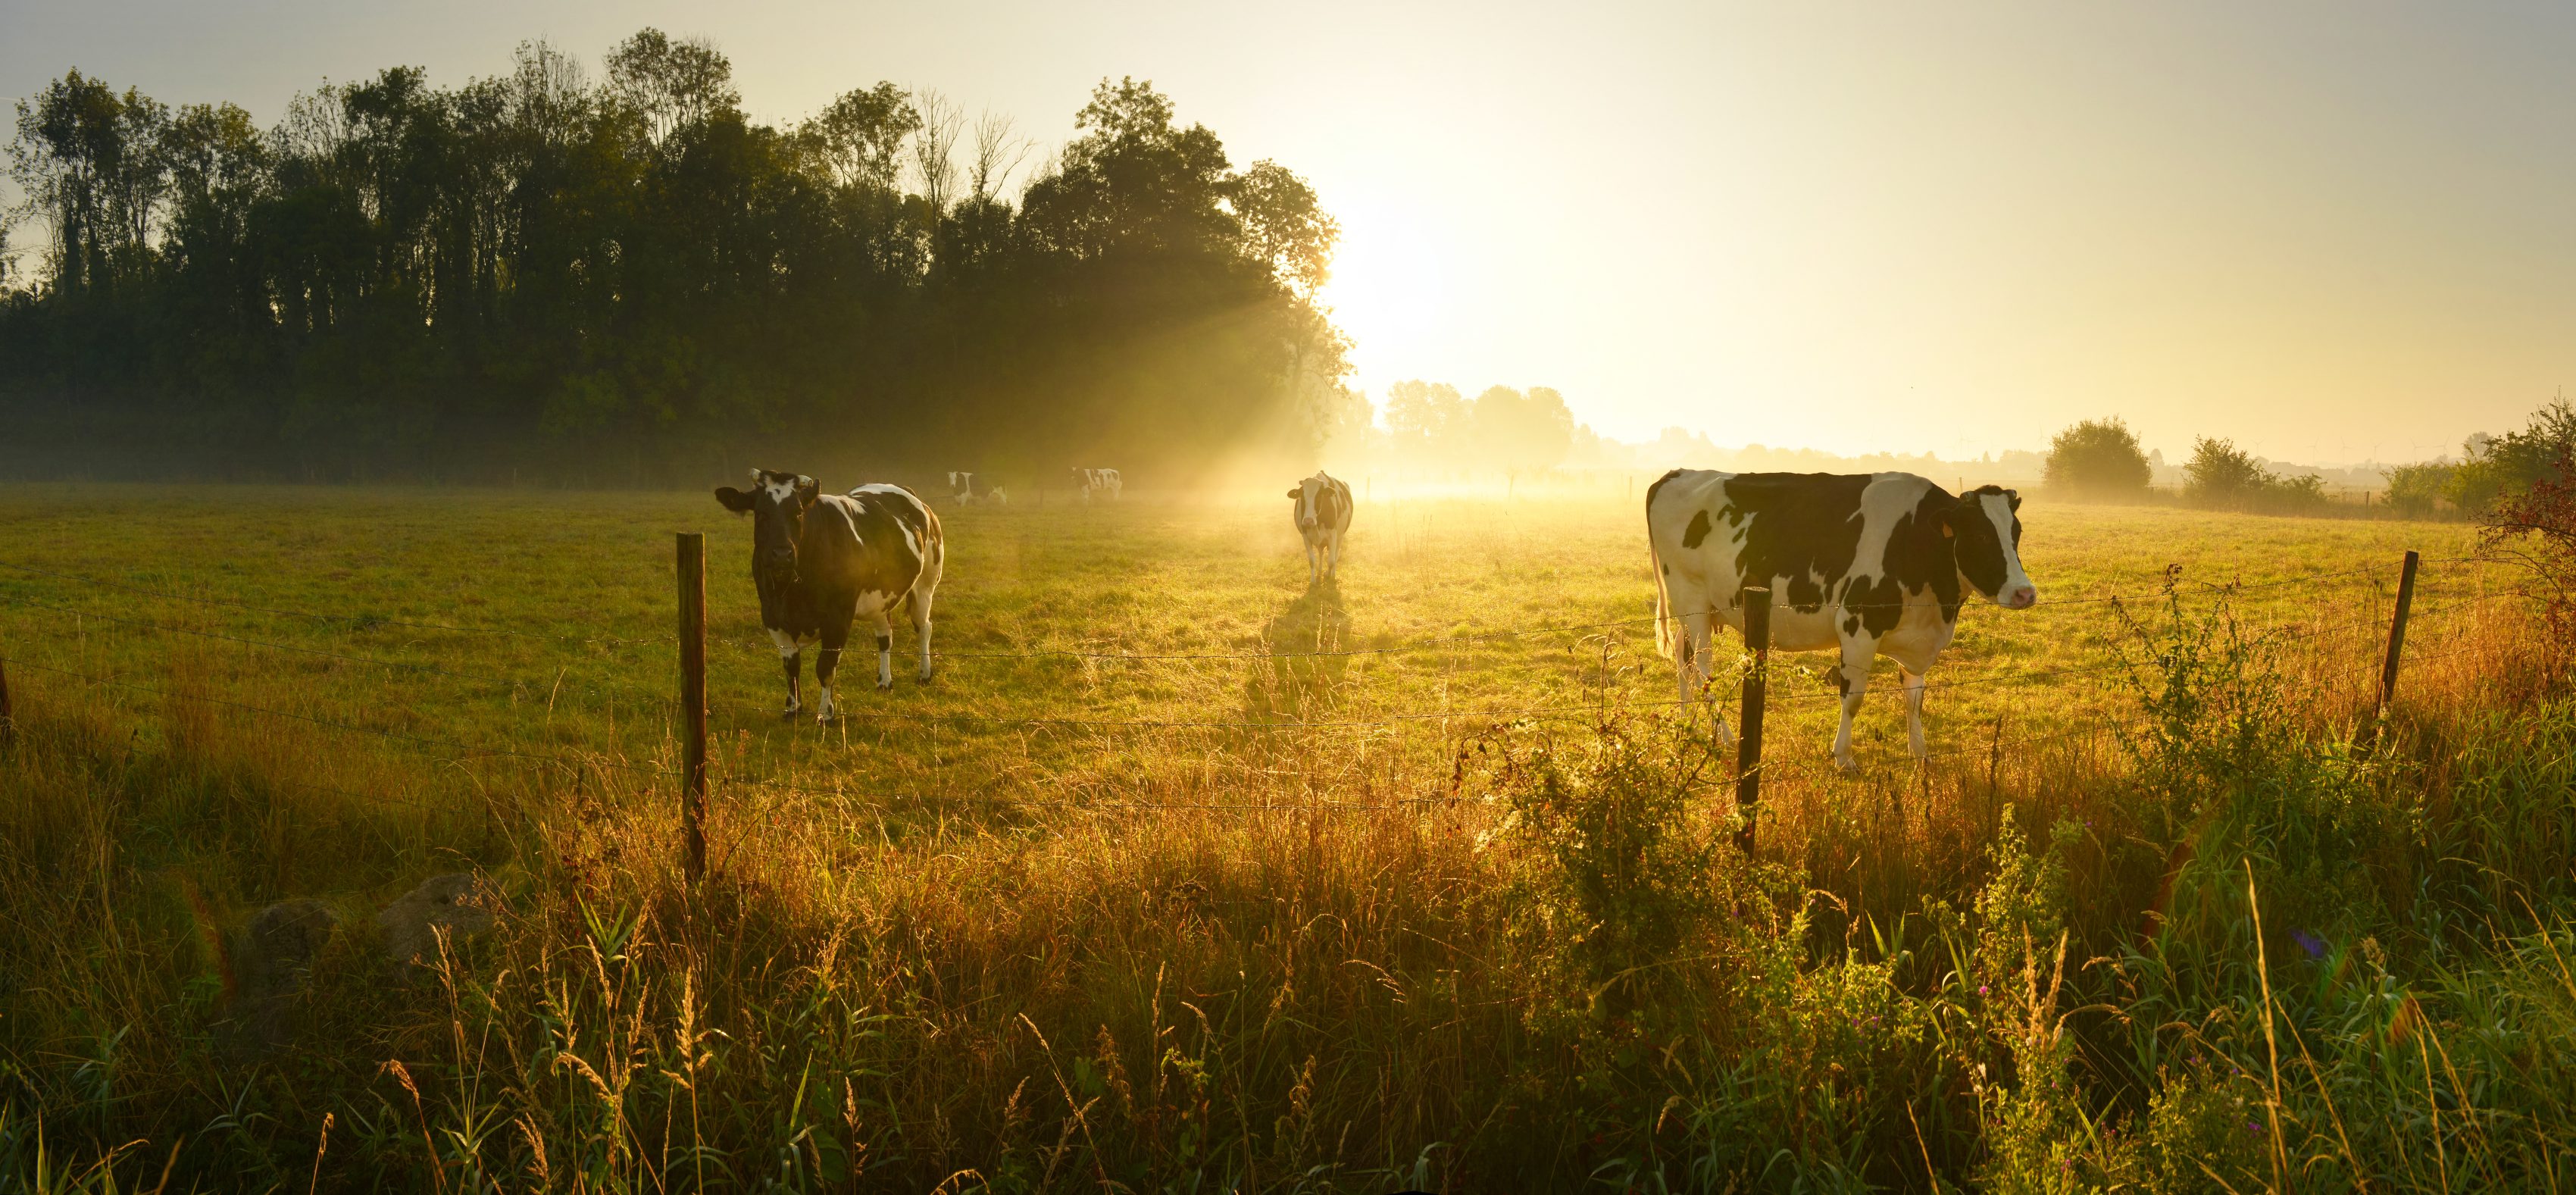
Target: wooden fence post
8,721
693,700
2396,646
1748,744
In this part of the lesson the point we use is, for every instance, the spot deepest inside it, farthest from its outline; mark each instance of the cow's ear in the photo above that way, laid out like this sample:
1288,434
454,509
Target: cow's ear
807,489
1299,492
2016,499
733,499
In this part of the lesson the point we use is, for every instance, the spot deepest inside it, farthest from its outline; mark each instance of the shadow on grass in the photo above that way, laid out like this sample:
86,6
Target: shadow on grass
1298,682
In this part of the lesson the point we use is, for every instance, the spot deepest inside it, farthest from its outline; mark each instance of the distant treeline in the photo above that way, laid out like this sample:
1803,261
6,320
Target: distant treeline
622,279
2100,460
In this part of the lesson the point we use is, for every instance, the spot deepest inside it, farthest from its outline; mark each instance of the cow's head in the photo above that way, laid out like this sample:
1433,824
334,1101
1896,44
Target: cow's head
776,503
1308,494
1985,536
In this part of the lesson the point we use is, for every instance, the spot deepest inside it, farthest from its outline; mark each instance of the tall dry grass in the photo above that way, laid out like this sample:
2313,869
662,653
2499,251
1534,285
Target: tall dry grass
2037,966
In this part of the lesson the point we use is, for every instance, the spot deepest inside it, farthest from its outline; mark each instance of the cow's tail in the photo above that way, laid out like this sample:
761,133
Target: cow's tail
1664,637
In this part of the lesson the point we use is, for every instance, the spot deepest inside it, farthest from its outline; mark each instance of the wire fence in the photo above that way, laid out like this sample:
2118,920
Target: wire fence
453,752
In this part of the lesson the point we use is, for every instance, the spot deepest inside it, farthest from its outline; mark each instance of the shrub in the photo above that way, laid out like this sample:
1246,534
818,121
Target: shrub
2537,526
2227,477
2500,467
2413,489
2097,459
1618,861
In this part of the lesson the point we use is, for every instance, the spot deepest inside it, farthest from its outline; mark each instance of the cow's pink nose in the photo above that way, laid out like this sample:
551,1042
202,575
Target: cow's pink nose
2024,598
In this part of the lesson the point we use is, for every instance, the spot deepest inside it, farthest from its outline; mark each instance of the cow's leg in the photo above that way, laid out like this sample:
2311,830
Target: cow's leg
885,651
1333,567
836,632
1691,668
1853,679
921,593
1914,712
788,655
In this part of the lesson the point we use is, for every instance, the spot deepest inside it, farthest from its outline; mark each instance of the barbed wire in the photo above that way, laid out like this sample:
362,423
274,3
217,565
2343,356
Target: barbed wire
467,750
356,622
370,661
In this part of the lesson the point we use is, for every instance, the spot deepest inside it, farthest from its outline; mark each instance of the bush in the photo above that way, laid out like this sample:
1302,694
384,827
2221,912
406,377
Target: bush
2224,476
2537,526
2500,467
2413,489
2098,459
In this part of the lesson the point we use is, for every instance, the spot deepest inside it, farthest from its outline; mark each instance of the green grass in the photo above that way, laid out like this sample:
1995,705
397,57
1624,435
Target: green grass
971,934
569,575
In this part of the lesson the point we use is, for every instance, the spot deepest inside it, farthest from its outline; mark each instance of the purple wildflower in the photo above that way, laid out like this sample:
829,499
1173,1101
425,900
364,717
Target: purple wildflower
2314,945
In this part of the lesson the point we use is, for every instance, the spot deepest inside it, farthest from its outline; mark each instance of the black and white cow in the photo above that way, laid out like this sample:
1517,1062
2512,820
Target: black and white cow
822,560
1103,481
968,491
1872,564
1322,515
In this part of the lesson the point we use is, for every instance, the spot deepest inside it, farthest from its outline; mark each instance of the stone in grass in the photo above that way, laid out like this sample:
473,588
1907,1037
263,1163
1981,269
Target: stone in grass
270,962
456,902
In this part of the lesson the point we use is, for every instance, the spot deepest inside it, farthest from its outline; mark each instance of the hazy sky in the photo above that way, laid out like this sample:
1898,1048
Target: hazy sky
2332,231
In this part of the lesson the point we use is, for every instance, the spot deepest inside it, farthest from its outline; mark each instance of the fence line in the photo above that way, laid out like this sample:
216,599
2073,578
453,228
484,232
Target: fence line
469,753
1552,712
363,622
358,622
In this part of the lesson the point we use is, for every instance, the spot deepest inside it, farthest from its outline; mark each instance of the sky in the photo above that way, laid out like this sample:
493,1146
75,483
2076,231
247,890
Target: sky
2332,232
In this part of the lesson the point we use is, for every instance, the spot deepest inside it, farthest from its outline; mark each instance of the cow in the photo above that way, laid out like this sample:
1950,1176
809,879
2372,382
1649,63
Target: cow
822,560
965,488
1868,565
1102,480
1323,516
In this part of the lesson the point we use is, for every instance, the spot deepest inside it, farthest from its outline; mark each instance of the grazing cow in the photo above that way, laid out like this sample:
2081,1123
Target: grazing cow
1103,480
1322,515
968,492
1865,564
822,560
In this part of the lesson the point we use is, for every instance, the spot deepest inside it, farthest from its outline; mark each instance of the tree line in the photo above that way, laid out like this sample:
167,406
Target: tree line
618,278
2101,460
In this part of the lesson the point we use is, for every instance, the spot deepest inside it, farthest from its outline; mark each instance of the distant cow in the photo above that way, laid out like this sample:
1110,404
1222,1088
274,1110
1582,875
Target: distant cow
1100,480
822,560
1322,515
968,491
1869,565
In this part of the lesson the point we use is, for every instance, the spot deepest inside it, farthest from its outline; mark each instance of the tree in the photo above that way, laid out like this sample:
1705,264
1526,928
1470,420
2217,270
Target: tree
558,270
859,138
670,85
2098,459
1286,226
88,162
1522,433
2221,474
1425,418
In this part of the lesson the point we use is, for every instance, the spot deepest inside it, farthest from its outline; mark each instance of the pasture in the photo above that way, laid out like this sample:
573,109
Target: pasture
1183,873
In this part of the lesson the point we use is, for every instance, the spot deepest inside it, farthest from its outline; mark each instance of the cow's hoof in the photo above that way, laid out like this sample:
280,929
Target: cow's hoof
790,712
1848,767
925,678
826,719
886,685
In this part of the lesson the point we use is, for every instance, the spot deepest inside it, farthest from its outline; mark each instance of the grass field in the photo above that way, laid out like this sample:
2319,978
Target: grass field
1181,874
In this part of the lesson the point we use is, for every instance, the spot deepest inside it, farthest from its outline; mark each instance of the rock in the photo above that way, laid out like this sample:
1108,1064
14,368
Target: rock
456,902
270,962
